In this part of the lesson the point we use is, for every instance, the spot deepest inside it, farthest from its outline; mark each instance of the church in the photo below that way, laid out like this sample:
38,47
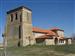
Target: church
20,32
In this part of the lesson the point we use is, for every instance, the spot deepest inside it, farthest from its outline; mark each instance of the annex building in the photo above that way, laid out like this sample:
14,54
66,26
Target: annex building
20,32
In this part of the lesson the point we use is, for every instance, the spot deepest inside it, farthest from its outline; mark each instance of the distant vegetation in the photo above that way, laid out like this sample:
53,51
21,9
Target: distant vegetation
73,36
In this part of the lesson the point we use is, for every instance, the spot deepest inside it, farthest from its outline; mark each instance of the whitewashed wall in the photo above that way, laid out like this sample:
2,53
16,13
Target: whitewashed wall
36,35
69,41
60,33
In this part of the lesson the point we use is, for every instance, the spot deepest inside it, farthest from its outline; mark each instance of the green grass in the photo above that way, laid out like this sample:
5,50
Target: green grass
41,50
64,48
1,51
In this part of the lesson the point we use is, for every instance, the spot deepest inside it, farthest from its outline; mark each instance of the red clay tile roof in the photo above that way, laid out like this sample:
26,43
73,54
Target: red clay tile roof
48,32
53,29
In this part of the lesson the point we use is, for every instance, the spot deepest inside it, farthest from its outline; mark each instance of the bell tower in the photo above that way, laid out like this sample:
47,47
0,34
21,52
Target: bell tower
19,27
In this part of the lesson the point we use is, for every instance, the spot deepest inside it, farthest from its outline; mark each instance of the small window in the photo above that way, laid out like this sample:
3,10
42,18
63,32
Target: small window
20,17
16,16
11,17
61,41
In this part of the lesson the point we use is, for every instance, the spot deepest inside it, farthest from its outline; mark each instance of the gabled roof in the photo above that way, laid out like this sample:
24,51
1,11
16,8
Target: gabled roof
38,30
18,8
55,29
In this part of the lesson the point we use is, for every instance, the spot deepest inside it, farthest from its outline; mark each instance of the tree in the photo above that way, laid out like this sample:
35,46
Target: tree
73,36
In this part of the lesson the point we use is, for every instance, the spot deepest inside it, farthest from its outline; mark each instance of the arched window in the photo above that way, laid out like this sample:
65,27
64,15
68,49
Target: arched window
16,16
11,17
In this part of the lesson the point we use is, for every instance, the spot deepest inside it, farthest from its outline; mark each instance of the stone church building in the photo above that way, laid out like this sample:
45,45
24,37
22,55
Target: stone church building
20,32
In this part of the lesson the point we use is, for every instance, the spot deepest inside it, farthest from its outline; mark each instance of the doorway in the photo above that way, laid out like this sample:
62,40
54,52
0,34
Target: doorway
56,41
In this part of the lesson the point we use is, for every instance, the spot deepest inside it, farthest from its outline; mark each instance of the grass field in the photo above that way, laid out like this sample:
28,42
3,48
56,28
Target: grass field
1,51
64,50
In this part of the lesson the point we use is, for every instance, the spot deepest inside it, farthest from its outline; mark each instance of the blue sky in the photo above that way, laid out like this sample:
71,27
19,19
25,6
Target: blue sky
45,13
